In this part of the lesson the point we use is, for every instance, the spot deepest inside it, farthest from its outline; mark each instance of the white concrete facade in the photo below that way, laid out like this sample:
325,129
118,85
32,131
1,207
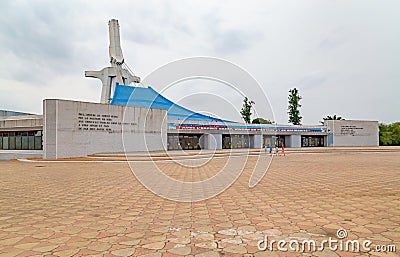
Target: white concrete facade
211,141
76,129
256,141
353,133
295,141
16,123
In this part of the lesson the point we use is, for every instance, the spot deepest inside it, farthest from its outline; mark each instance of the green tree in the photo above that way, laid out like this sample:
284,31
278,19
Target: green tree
334,117
261,121
246,109
294,105
389,134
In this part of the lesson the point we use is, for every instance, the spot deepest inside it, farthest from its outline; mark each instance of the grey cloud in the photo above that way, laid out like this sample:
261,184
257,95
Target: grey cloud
333,40
312,80
231,40
33,40
312,45
155,24
35,33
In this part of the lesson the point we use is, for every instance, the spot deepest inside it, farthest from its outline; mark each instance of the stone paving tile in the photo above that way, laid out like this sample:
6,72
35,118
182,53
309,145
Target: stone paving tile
100,209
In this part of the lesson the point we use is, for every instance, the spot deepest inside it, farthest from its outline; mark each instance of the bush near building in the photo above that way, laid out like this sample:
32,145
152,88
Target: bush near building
262,121
389,134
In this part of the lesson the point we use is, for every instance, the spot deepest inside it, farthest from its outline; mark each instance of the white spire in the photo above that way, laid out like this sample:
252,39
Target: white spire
115,44
109,76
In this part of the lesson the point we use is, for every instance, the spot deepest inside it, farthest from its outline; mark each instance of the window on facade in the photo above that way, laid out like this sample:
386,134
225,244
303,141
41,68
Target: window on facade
21,140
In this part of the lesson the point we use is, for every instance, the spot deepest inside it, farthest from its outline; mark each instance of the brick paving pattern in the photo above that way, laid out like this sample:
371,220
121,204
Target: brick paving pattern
100,209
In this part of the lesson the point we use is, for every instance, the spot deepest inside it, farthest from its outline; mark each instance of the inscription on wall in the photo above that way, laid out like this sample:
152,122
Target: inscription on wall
95,122
350,130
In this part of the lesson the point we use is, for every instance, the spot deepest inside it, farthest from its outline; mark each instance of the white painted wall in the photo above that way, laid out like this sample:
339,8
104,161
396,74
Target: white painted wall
256,141
217,140
354,132
77,129
23,122
295,141
288,142
211,141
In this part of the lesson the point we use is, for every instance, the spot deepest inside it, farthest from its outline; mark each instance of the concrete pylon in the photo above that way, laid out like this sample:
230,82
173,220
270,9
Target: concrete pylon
110,76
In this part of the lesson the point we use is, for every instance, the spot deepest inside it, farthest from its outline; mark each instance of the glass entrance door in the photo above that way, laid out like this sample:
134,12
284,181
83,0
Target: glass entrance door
235,141
312,141
184,142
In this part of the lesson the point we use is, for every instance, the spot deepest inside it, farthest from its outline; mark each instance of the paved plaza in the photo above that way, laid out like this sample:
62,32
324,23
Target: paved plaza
98,208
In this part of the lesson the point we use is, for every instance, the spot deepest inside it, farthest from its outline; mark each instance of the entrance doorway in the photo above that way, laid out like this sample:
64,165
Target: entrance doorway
274,140
312,141
235,141
184,141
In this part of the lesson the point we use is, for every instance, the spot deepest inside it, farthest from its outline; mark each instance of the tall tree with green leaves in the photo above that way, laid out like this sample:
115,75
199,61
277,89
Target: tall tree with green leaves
246,109
294,105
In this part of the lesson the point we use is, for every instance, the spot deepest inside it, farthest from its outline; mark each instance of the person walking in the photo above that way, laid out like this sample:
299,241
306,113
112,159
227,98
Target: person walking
277,150
283,149
270,150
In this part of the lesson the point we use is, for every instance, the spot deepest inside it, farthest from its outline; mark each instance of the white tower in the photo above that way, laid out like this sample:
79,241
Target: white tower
110,76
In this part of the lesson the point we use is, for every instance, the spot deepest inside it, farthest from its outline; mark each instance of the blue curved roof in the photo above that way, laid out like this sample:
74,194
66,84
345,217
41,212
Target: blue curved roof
149,98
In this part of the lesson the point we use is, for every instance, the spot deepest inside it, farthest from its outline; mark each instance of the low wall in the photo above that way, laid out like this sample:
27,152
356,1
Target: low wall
20,154
78,129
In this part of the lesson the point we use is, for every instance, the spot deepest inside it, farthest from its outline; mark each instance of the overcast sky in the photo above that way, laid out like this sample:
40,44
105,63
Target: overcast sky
343,56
